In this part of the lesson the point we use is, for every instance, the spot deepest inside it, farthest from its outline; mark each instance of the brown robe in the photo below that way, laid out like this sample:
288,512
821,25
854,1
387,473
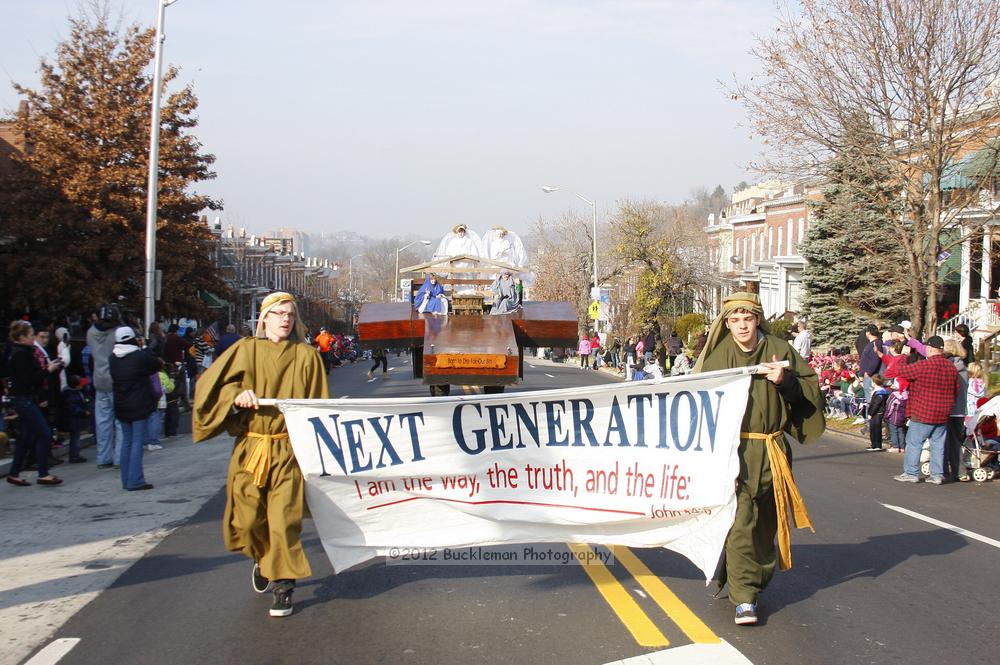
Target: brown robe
263,517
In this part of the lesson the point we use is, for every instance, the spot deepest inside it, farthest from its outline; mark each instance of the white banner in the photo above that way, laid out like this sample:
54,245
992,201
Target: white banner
644,464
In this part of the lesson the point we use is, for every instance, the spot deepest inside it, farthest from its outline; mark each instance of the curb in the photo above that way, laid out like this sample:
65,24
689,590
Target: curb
86,441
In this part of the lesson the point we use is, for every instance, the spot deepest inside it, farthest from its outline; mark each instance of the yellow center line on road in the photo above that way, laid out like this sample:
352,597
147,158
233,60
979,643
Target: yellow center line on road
641,626
678,612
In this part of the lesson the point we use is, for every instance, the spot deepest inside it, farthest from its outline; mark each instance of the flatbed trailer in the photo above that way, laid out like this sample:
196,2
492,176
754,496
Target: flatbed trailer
469,346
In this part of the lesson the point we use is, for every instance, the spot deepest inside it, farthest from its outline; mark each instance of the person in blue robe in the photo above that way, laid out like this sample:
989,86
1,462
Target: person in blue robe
430,297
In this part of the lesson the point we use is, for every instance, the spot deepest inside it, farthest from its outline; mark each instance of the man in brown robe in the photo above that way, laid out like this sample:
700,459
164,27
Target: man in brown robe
782,399
264,486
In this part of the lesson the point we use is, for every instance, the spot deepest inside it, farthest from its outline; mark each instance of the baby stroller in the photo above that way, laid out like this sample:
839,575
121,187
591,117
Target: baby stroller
982,447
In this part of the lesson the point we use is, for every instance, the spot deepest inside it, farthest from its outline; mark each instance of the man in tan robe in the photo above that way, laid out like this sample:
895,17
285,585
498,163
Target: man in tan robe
782,399
264,486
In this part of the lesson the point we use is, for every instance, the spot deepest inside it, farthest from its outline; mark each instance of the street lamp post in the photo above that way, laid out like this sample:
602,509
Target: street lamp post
394,290
149,310
593,205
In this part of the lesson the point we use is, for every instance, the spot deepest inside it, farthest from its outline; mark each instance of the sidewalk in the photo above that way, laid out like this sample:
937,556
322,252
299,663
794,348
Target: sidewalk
86,441
63,545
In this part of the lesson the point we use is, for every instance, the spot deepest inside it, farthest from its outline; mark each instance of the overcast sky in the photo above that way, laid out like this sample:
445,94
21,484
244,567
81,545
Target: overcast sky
388,116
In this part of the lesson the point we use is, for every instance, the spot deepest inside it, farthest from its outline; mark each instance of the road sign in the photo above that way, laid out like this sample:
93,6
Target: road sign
594,311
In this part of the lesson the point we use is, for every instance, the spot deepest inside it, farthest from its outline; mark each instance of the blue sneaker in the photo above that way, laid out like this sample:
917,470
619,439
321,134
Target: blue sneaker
746,614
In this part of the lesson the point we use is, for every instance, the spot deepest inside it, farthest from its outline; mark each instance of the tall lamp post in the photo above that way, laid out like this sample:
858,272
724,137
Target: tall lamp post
149,310
394,290
592,204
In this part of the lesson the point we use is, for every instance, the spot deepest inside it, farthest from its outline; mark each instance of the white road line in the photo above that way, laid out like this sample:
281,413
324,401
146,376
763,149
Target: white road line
54,651
722,653
549,375
531,366
944,525
344,396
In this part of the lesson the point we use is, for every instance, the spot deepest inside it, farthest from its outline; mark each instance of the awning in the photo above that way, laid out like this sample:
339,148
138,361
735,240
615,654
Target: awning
952,177
212,300
983,163
970,169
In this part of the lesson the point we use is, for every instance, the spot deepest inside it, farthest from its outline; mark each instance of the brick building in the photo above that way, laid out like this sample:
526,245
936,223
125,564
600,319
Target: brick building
754,244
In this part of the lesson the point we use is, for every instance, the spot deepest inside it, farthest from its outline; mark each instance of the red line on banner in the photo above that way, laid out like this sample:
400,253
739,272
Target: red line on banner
520,503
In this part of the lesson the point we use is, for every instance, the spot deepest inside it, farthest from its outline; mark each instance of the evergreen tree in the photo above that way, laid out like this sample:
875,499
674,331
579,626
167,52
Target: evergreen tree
855,268
73,207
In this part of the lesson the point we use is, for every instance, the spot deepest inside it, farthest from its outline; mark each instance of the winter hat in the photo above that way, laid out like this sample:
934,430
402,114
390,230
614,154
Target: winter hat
124,334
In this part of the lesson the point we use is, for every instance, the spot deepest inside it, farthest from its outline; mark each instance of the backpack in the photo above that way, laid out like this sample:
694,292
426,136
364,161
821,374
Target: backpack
895,408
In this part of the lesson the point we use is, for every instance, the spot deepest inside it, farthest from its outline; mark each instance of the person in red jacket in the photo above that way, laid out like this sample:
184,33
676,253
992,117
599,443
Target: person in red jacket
933,387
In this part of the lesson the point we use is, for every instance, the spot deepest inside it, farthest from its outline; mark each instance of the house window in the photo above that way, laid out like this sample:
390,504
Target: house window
788,249
802,233
770,240
780,239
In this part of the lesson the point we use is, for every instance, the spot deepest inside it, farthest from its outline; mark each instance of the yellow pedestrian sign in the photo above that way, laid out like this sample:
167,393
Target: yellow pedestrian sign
594,311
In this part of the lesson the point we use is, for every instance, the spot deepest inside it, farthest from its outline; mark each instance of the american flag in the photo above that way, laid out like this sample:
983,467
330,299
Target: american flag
213,332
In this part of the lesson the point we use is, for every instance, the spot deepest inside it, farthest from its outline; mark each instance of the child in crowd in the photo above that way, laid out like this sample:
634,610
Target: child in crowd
172,413
682,365
162,384
876,409
978,383
77,415
652,369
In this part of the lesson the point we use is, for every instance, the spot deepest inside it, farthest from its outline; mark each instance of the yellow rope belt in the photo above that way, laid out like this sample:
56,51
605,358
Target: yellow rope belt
259,460
786,494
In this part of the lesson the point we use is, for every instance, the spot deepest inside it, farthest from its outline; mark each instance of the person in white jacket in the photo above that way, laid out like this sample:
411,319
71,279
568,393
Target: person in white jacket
803,341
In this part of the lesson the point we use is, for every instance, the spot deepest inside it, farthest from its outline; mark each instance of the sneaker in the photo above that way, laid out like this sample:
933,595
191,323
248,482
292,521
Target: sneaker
385,375
371,375
746,614
906,478
935,480
282,605
153,446
872,450
105,466
258,582
77,460
116,466
859,421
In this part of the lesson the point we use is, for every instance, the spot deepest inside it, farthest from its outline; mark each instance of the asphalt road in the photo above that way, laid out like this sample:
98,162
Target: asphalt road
872,585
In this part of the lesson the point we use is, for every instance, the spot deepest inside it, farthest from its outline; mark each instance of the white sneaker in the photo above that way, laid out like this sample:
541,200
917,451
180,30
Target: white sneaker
153,446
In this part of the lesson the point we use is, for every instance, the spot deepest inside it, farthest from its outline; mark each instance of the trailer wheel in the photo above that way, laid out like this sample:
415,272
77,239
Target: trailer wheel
491,390
440,390
981,475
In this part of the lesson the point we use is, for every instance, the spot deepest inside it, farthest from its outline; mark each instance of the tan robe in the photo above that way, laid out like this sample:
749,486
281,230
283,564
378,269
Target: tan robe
264,522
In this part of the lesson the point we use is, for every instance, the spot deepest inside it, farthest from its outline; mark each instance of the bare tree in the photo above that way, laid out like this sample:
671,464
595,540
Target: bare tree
561,256
923,74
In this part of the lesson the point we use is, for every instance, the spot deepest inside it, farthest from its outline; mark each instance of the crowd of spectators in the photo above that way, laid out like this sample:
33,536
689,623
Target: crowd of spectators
126,388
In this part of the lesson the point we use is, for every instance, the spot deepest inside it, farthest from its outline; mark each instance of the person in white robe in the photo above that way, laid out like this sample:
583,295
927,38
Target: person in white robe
461,240
505,246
